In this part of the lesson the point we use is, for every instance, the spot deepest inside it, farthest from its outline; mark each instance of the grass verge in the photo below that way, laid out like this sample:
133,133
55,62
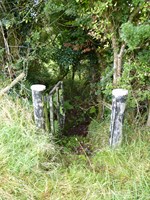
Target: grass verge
32,167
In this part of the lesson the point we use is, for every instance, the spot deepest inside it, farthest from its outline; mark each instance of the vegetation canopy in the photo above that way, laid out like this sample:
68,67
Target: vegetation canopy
93,47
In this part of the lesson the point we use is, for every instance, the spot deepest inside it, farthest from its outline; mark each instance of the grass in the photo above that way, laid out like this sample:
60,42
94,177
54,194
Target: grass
32,166
22,150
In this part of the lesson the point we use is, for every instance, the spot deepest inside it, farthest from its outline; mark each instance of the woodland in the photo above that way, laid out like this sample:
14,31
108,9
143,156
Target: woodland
93,47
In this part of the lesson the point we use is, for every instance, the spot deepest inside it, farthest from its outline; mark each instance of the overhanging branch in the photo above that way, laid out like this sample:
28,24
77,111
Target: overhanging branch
14,82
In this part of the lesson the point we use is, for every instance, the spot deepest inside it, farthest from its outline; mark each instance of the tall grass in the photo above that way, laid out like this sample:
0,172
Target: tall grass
32,167
22,150
123,173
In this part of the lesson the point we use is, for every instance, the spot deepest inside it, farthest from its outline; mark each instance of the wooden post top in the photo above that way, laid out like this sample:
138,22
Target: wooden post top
119,92
38,87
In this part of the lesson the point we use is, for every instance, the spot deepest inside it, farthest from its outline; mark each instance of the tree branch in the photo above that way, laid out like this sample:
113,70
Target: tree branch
7,49
14,82
134,13
114,44
122,50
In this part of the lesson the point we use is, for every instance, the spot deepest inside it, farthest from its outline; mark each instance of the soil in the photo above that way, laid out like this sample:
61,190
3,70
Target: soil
76,123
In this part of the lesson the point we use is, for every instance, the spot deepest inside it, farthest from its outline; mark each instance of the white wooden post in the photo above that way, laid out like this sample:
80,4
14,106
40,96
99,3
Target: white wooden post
118,108
38,104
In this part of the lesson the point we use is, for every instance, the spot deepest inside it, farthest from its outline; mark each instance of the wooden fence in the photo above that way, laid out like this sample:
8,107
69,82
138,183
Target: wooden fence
55,101
48,108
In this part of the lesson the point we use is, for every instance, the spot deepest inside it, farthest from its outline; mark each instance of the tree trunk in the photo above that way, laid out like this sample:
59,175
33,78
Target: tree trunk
8,54
73,73
117,65
100,114
115,74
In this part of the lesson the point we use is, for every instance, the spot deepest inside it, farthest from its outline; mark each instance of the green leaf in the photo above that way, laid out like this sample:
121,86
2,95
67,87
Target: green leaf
92,109
67,105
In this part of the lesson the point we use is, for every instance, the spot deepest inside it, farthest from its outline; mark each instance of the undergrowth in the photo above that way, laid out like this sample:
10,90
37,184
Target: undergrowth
23,152
32,166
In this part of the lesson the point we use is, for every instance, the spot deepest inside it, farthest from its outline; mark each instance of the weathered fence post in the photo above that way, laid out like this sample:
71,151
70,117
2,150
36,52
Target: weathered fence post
118,108
62,112
57,92
58,105
52,124
38,104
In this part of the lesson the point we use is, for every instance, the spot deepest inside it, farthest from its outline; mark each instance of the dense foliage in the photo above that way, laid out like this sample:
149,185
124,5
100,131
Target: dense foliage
93,46
105,44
